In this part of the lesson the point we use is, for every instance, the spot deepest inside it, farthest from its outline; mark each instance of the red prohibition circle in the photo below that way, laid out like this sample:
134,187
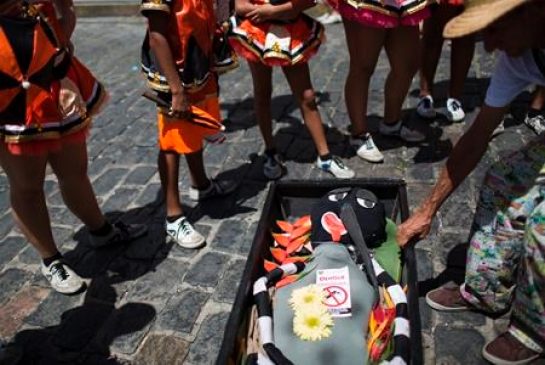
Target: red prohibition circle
336,296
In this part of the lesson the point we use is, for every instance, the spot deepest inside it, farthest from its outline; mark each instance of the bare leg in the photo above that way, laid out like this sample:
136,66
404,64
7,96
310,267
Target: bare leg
169,163
70,166
362,66
261,77
460,62
538,100
26,178
299,79
197,172
432,45
400,45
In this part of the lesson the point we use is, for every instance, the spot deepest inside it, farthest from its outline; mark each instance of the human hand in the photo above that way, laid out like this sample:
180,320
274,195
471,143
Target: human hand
180,104
262,13
417,226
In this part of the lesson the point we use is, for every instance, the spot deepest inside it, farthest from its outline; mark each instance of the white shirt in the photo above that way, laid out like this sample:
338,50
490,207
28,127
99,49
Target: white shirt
511,76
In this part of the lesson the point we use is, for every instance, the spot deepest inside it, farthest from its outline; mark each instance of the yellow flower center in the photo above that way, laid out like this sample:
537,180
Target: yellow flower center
313,322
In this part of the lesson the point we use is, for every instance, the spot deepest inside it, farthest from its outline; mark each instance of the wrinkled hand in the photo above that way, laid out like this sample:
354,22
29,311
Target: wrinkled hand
416,227
262,13
180,104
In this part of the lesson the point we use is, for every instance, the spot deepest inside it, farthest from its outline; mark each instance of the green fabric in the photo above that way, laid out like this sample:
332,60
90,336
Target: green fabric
347,343
388,254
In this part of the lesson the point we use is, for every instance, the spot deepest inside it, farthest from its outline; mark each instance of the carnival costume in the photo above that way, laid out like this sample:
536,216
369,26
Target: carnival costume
47,97
383,13
352,253
276,43
191,25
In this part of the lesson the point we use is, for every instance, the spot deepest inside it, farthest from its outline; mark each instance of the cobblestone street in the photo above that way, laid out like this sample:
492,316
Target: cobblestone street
155,303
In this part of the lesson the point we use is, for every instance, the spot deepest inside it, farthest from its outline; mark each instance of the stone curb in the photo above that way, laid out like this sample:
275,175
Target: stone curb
91,8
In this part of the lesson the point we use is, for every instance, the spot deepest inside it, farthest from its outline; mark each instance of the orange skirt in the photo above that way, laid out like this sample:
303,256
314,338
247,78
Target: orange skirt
276,44
183,137
78,97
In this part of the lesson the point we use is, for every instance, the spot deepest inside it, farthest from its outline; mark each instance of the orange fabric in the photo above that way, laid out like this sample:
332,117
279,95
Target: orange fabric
192,18
41,108
50,129
41,147
7,96
43,53
82,77
183,137
249,41
9,64
48,12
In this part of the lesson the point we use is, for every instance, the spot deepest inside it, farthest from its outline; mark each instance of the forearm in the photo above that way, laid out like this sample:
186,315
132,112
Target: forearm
67,17
161,50
464,157
291,9
243,7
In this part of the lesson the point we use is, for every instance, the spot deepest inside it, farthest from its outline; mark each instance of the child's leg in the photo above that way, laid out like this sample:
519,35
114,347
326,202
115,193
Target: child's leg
460,62
26,178
299,80
261,77
538,100
168,163
431,47
400,44
362,66
70,166
197,172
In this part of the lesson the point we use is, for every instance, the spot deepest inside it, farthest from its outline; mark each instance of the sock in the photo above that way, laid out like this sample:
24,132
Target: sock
174,218
326,157
47,261
532,113
105,230
270,152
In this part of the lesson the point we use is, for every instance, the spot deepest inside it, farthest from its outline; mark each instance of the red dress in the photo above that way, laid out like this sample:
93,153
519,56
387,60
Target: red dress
276,43
46,97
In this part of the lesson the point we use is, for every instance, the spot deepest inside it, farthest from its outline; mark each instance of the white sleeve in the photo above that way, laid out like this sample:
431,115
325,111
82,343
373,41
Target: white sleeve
505,84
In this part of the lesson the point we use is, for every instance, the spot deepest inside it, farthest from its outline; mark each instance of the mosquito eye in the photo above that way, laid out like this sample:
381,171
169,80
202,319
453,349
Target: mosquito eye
337,197
366,203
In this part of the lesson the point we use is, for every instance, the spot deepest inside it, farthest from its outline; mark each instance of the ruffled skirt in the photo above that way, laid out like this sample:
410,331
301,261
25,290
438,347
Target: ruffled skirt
383,13
274,43
78,97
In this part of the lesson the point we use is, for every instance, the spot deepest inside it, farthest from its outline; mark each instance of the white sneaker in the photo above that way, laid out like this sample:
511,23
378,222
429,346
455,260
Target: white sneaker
62,278
272,168
366,148
336,167
455,113
183,233
536,123
425,107
400,130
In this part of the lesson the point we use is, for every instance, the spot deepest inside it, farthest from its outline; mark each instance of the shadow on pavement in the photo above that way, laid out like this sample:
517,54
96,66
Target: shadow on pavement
454,271
86,332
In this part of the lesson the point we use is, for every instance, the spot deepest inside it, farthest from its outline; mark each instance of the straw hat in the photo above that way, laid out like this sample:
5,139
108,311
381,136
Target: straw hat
478,14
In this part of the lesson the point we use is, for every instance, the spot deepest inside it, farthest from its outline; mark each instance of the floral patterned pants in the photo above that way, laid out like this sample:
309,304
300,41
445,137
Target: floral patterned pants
506,257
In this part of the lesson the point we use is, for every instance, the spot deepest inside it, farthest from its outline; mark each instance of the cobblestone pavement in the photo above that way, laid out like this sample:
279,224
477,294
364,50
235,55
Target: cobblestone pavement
154,303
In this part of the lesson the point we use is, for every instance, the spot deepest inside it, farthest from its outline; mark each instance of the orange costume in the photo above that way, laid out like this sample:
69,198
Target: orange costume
47,97
191,31
276,43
